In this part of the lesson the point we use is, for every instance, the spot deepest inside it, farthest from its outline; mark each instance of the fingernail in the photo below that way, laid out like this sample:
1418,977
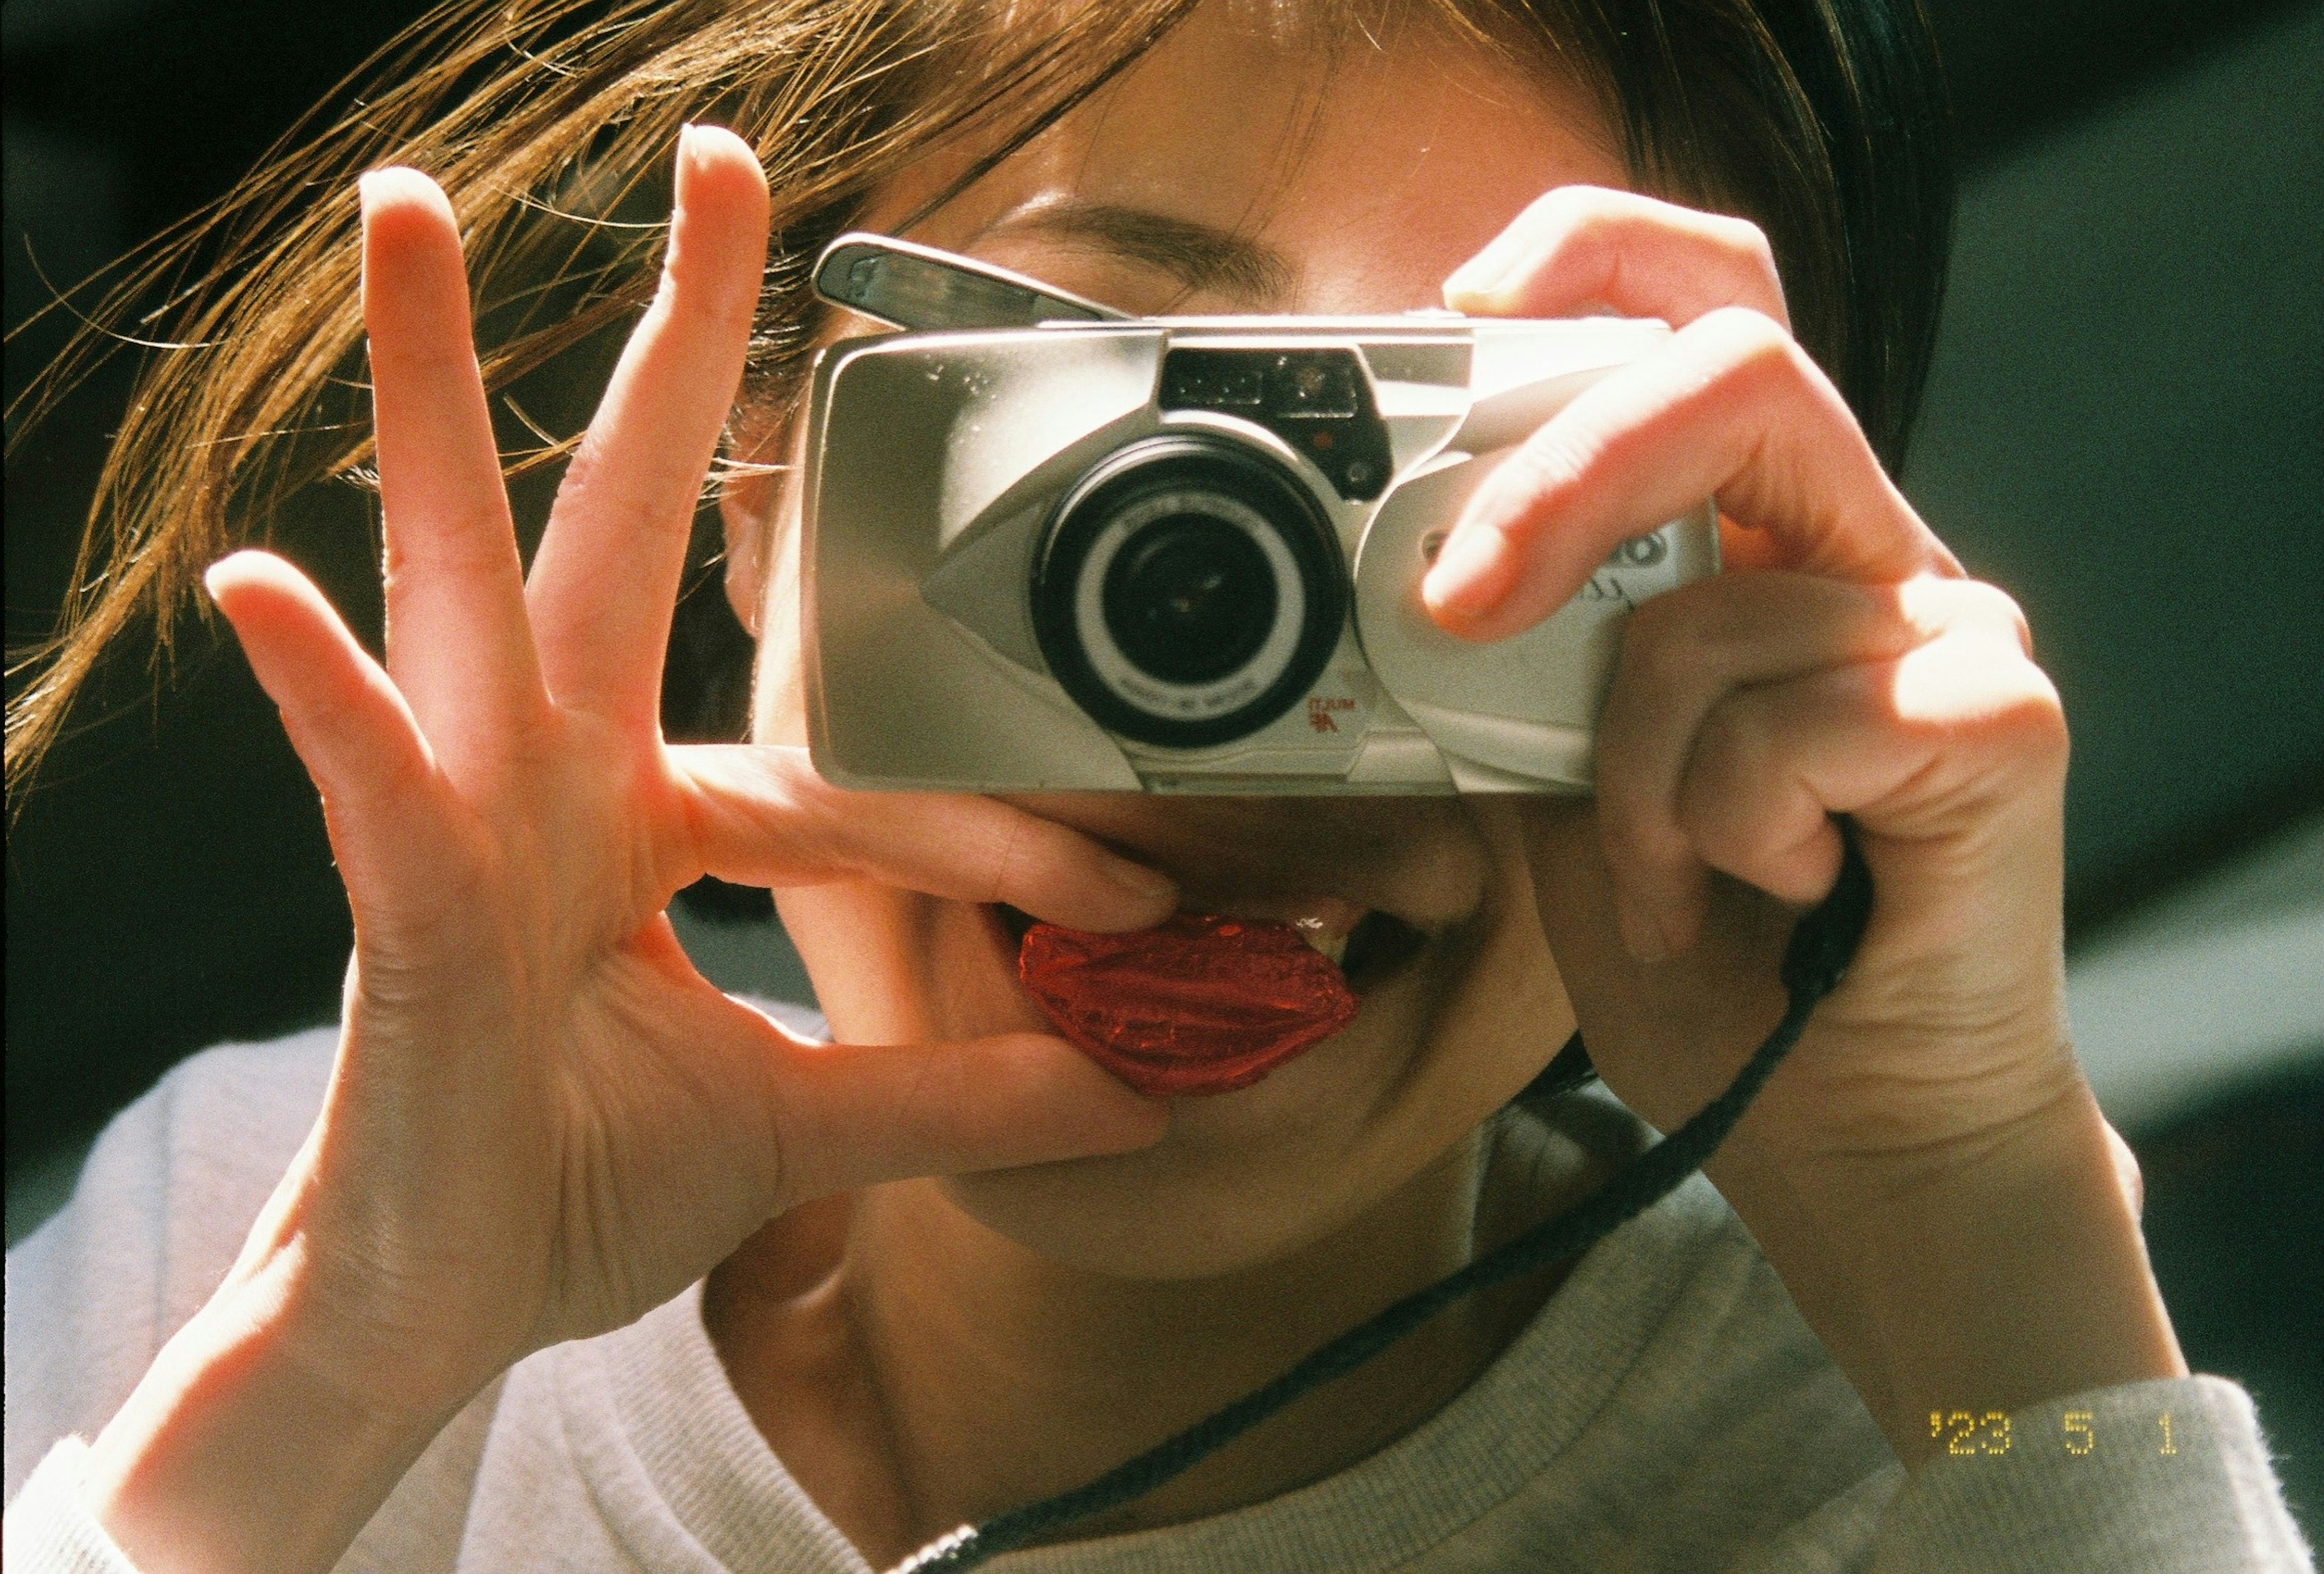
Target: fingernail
224,569
1147,884
1470,574
1478,276
685,141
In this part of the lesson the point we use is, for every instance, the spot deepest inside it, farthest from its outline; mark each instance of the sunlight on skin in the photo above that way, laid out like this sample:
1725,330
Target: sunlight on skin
1270,1218
1150,1287
922,1351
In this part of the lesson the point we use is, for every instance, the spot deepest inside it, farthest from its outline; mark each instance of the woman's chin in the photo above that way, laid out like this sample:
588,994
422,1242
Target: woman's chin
1242,1177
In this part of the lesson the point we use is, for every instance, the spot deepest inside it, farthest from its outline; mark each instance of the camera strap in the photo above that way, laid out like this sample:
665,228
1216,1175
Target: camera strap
1823,944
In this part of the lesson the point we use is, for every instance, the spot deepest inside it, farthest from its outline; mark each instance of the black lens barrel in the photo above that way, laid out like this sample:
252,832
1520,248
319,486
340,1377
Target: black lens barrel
1189,598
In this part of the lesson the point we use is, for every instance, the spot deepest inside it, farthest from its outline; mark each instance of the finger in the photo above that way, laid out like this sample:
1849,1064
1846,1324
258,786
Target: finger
351,727
1586,248
1684,653
1916,748
1730,407
606,578
856,1115
457,644
760,816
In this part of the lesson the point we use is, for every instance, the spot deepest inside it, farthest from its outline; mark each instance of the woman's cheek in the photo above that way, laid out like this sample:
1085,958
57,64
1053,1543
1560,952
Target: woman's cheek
867,955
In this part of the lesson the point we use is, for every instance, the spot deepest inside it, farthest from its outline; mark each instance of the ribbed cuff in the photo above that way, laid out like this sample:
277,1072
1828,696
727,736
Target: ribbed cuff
48,1528
2170,1477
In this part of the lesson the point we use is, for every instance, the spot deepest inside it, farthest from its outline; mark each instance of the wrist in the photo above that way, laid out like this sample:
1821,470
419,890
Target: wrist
1995,1275
239,1449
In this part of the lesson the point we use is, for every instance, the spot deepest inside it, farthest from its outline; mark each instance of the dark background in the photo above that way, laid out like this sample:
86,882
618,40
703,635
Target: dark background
2125,430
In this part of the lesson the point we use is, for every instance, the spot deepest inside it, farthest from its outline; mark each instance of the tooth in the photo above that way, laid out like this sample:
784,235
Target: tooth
1333,946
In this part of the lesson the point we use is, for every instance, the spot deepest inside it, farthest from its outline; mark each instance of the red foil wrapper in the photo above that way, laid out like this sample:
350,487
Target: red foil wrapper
1198,1005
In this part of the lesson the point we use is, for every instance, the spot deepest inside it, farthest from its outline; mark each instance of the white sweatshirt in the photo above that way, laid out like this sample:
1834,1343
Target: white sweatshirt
1668,1410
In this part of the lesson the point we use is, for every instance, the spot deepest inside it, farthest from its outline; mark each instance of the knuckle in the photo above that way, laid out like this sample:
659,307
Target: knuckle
1748,240
1762,365
1633,433
1745,333
1754,353
1707,809
1972,690
1007,873
1991,604
1742,239
2128,1176
1733,749
469,541
810,817
1939,604
1661,666
1543,466
715,301
1635,827
2031,720
1651,627
1743,358
1599,223
1574,232
645,487
1571,208
1670,641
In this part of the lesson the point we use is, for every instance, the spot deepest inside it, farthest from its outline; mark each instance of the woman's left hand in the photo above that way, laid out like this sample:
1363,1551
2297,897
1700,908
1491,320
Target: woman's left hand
1843,665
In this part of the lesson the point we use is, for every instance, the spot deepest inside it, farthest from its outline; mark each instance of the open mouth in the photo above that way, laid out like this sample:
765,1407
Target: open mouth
1208,1002
1374,951
1377,949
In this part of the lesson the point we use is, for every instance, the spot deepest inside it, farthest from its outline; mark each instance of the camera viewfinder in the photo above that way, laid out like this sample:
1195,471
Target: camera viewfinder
1318,400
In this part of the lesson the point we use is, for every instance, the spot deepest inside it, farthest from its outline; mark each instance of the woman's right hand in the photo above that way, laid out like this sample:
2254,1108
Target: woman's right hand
542,1121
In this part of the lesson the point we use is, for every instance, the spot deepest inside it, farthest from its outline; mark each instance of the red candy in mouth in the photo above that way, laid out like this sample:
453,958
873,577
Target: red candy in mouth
1198,1005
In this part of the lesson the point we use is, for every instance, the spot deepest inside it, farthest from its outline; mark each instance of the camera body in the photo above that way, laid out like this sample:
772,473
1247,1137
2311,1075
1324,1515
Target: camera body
1046,546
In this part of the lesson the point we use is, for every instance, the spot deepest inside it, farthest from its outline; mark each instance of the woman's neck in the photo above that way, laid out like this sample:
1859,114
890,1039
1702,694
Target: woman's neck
916,1371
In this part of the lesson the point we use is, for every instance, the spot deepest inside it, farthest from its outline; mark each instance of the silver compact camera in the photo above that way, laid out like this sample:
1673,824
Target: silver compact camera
1047,545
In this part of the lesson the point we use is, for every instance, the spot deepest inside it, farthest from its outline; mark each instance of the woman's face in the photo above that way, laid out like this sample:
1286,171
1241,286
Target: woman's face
1230,172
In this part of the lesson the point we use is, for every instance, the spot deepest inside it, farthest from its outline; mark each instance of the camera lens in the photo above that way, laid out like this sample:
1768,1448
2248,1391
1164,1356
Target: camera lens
1189,598
1189,591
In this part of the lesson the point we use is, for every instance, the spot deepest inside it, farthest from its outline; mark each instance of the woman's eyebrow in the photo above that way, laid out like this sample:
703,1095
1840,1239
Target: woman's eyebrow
1200,256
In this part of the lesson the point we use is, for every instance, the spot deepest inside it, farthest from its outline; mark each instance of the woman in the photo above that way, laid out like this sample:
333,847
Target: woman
583,1265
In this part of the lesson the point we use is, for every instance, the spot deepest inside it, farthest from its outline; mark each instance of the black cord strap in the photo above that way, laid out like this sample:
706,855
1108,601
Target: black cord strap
1820,948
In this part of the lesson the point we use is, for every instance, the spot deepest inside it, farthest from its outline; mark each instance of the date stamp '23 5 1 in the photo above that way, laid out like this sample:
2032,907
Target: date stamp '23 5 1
1967,1432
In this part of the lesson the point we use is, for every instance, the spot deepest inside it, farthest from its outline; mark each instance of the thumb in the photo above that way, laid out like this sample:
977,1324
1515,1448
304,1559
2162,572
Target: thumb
854,1115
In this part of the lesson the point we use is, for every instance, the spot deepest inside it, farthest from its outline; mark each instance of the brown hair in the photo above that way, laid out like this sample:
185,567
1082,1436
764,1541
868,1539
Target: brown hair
546,122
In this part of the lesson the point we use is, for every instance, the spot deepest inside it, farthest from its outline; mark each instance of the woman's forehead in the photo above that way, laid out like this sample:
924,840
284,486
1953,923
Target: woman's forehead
1241,166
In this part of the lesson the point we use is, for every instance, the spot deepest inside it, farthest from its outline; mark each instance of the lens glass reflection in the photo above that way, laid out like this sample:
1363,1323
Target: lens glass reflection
1189,598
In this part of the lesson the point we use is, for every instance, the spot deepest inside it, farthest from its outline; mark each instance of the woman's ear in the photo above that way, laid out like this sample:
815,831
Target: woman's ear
759,507
747,501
